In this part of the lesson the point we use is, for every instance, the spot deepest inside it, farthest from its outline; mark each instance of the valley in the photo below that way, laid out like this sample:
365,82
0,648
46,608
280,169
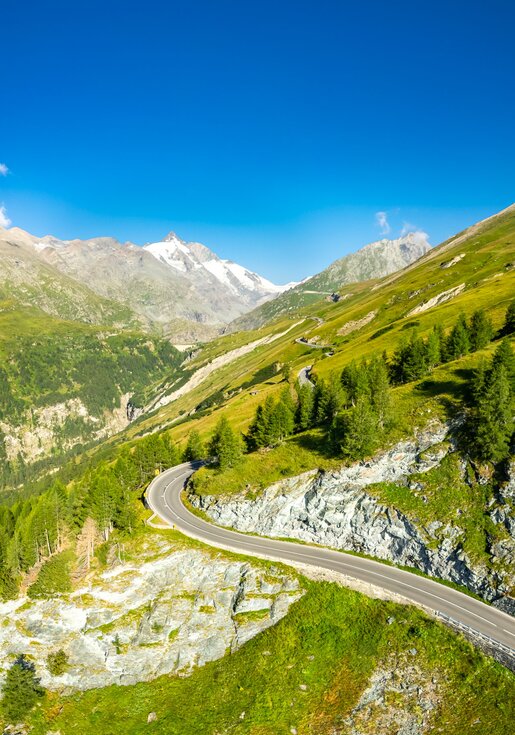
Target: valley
368,434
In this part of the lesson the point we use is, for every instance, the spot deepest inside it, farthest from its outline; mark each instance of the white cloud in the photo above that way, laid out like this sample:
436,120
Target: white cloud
4,219
419,236
3,169
382,221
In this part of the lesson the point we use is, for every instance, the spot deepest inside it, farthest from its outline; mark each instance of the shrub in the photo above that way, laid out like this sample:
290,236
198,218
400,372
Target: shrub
57,662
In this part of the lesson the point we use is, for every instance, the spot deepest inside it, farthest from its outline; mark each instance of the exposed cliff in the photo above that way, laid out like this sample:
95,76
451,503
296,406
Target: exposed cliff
347,510
171,610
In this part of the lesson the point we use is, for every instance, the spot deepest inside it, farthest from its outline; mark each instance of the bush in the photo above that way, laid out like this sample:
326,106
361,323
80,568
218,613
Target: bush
57,662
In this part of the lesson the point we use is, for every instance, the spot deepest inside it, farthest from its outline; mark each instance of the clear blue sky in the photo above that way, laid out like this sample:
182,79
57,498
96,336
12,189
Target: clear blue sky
273,131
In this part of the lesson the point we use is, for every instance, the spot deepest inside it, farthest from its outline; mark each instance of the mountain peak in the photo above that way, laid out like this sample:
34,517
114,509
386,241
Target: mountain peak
173,237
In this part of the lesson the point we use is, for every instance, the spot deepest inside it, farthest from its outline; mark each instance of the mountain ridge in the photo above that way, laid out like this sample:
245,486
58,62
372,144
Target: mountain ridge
374,260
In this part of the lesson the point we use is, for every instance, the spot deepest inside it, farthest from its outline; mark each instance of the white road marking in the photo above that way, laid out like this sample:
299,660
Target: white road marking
272,548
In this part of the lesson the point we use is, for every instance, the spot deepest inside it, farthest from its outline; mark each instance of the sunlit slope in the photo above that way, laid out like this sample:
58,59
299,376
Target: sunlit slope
474,269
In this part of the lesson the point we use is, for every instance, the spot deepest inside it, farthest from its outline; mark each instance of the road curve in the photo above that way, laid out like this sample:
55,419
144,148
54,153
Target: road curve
164,498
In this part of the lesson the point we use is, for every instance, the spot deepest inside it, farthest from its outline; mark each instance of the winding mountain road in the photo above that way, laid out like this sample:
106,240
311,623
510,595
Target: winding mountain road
164,498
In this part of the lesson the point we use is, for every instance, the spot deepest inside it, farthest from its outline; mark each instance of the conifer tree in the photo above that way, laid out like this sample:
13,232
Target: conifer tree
305,408
434,348
509,320
225,445
354,380
380,396
329,399
480,330
493,417
359,430
195,449
20,691
503,355
458,342
409,361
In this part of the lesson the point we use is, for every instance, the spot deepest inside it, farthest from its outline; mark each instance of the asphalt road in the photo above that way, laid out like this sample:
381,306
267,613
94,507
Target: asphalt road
303,376
164,498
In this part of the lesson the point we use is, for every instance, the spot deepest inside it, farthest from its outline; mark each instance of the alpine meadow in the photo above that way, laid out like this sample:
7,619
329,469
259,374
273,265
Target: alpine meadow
236,498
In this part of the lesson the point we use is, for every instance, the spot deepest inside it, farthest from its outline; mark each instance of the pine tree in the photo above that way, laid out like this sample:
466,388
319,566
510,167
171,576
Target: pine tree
195,449
305,408
493,417
480,330
261,430
21,690
380,396
283,422
360,430
329,399
168,453
354,380
503,355
225,445
509,320
458,342
409,361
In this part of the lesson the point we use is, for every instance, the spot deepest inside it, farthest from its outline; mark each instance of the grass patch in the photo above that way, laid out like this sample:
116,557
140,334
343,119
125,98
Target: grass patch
330,643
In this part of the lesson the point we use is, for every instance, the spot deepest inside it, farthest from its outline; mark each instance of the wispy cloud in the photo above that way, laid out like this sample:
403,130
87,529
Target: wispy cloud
3,169
382,221
419,236
4,219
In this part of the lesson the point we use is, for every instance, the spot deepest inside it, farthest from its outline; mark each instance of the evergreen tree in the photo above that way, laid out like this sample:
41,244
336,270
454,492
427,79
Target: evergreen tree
195,449
458,342
493,416
354,380
509,320
409,361
329,398
380,396
21,690
504,356
168,453
359,430
305,408
480,330
261,430
283,422
225,445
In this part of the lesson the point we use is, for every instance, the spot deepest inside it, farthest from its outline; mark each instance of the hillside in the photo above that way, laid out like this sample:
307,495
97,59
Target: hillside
376,260
180,289
64,385
419,494
30,282
471,270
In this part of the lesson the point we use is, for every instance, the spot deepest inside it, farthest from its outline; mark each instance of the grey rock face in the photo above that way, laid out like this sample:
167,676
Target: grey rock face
334,509
175,610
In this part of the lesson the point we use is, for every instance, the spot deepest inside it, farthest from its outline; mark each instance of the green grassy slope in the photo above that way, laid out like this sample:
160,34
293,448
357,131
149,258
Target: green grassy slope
306,674
46,362
486,271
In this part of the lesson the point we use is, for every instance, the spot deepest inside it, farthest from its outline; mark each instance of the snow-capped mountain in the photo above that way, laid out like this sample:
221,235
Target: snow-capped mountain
182,288
193,257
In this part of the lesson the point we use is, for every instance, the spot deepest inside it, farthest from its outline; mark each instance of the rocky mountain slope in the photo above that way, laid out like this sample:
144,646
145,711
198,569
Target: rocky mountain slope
376,260
28,281
347,509
183,289
172,611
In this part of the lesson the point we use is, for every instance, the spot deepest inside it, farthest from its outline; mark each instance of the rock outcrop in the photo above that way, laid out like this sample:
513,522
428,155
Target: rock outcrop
172,611
339,510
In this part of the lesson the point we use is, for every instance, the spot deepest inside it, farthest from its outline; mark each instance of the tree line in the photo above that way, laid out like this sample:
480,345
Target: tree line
356,408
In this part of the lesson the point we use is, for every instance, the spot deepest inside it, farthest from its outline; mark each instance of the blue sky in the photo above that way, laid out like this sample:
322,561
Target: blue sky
272,131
